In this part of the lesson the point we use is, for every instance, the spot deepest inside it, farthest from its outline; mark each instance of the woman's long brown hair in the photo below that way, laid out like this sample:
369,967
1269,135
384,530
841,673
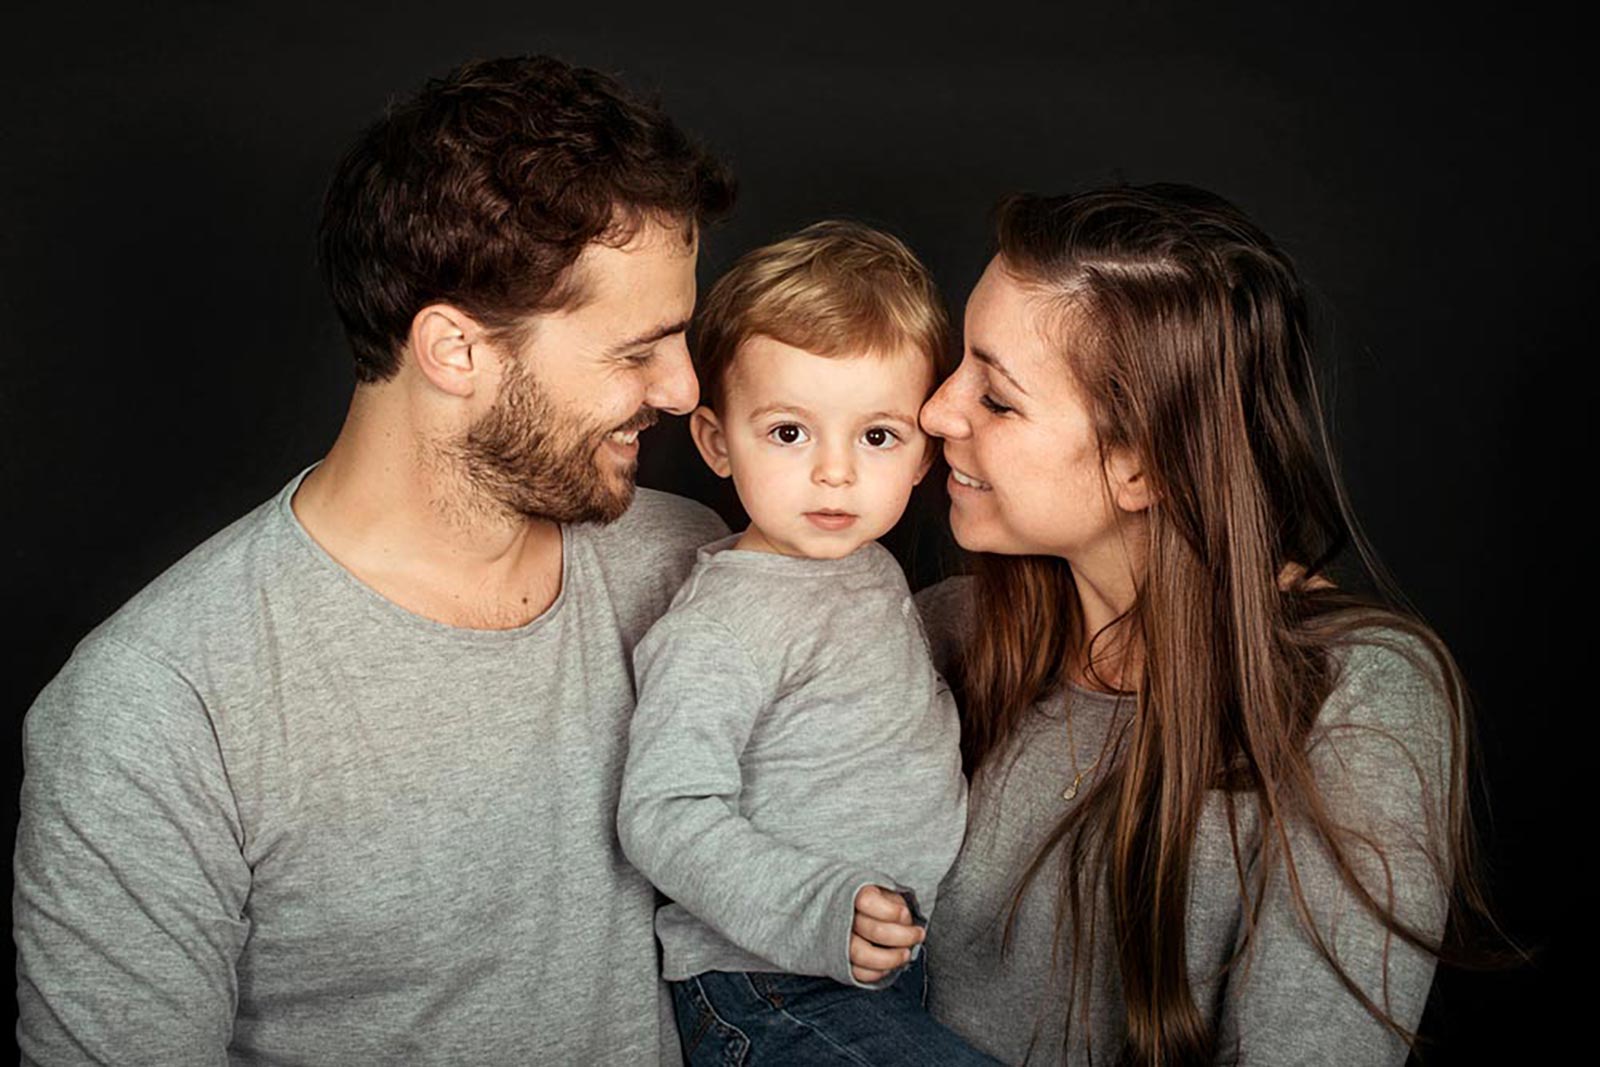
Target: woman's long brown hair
1186,330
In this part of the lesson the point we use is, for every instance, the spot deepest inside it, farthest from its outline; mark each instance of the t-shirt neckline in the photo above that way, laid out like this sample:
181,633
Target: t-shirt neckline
406,616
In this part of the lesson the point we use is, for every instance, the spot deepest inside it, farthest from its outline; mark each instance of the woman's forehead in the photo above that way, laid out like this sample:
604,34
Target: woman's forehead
1017,322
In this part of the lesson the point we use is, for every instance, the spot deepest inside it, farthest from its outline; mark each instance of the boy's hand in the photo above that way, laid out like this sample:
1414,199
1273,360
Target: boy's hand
883,934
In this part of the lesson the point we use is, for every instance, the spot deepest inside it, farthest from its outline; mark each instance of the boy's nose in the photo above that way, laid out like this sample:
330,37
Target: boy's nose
834,468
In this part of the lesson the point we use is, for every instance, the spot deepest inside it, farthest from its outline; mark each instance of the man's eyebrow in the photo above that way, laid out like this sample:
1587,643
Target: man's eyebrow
988,359
649,337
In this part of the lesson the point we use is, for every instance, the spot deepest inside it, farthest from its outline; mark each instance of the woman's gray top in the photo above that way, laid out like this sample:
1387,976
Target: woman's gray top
1283,1004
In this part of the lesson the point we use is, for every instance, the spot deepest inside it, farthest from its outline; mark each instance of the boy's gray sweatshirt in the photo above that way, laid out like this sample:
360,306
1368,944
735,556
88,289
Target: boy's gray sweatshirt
792,743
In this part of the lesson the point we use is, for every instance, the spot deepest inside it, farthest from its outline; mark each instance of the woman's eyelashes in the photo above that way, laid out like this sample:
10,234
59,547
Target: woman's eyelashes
993,406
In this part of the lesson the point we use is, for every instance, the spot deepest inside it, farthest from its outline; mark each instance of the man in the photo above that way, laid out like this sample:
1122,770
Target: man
340,786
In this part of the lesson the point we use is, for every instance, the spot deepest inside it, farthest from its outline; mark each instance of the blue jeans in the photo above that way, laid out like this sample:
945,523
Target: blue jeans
729,1019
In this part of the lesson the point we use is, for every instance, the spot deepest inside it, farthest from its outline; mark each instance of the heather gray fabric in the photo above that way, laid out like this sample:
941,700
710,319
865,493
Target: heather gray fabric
792,744
1288,1007
270,817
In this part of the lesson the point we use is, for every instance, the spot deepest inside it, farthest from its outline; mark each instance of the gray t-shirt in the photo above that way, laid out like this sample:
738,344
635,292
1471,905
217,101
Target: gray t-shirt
269,816
1380,751
792,744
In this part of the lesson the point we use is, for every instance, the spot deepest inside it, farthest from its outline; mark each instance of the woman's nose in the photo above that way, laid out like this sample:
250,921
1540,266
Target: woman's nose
940,416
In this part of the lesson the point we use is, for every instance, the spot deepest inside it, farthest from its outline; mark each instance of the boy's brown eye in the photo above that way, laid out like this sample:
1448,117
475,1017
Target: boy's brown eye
788,434
878,437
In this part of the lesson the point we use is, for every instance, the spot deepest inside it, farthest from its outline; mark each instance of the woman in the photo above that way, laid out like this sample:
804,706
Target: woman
1217,804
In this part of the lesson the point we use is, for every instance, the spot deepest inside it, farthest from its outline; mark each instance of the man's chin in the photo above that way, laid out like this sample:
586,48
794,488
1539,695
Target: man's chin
617,495
605,500
616,505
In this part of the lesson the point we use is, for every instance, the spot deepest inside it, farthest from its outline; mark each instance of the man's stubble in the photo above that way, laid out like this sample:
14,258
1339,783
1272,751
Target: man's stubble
527,458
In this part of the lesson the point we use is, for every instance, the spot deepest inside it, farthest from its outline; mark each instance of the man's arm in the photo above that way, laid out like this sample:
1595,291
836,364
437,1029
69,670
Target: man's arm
130,882
679,821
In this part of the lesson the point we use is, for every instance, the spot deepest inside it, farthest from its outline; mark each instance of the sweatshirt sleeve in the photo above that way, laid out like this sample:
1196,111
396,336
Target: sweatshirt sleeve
1381,754
679,815
130,882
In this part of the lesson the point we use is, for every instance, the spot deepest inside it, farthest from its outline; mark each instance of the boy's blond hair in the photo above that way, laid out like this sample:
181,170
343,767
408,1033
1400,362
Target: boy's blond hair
836,288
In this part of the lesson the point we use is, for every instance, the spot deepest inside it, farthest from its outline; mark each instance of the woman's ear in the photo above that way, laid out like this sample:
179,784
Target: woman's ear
1130,486
706,429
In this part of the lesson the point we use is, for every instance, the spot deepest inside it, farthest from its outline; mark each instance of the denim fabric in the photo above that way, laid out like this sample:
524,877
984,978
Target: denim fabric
734,1018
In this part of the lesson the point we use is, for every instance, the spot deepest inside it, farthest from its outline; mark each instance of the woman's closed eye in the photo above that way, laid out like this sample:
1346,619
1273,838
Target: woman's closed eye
994,406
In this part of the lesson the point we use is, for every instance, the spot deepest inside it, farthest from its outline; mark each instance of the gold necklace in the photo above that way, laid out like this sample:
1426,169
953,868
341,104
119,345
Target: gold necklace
1071,791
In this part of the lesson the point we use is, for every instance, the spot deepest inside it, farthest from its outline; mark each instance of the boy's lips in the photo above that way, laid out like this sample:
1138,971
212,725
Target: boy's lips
830,519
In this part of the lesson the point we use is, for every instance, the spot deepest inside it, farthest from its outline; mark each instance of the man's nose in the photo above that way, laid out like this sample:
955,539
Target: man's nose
673,386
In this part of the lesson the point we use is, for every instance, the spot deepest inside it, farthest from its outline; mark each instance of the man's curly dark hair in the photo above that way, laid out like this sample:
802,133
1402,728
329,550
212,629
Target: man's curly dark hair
482,190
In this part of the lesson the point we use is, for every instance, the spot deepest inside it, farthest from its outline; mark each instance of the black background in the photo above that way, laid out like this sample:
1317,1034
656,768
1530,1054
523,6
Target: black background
170,359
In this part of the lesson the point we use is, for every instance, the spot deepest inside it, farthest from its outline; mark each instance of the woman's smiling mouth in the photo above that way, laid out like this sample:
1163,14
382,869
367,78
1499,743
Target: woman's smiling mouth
963,479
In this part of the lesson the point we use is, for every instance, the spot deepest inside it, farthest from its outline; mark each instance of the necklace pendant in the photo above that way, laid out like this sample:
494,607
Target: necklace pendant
1071,791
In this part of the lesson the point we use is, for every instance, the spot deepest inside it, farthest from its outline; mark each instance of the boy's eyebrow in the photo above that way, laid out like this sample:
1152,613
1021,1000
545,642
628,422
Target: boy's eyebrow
772,409
649,337
792,409
989,359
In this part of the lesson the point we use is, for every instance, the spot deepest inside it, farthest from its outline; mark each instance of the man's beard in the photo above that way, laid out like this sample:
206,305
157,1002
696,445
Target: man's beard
528,459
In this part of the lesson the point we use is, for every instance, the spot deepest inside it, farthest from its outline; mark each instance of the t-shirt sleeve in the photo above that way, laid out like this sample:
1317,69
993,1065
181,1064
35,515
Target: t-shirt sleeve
130,881
1381,754
946,610
679,816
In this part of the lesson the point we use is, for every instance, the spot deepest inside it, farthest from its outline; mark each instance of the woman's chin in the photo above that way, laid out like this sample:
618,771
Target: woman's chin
976,537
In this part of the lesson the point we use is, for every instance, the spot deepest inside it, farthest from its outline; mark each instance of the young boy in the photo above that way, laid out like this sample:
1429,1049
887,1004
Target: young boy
793,781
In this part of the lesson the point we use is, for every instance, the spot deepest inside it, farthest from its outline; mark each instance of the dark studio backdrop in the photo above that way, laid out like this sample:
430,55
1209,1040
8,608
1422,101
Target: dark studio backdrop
170,359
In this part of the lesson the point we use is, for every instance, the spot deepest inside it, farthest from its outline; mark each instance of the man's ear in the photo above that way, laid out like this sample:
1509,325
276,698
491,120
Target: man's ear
930,450
447,346
706,429
1130,485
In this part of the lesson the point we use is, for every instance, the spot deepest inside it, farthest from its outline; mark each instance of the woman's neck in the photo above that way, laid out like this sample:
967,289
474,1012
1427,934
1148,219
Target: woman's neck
1108,586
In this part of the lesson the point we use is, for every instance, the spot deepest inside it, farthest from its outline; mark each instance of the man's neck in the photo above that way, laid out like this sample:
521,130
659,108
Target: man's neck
409,529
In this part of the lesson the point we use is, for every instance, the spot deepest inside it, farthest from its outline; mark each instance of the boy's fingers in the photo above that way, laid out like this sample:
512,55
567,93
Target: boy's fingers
867,956
882,904
892,934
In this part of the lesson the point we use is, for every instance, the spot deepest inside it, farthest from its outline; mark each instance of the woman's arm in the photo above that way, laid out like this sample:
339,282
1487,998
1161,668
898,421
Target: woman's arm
946,610
1381,753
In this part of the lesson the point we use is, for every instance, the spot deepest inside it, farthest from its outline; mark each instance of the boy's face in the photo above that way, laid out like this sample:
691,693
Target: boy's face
823,452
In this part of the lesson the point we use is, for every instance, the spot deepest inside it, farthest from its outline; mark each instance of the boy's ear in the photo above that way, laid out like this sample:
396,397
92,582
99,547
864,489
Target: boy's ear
930,450
706,429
